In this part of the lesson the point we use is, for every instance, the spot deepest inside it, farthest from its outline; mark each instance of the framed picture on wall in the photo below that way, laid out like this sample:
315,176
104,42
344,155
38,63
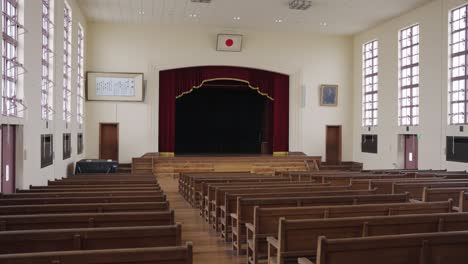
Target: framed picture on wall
328,95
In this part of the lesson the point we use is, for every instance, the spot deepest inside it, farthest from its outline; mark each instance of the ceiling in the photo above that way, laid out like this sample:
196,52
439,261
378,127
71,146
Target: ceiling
343,17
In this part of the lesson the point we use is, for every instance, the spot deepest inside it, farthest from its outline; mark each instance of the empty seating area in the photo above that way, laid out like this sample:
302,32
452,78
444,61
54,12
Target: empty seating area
330,216
91,218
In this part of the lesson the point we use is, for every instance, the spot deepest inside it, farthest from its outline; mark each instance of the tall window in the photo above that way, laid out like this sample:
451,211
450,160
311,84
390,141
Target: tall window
67,22
458,96
409,76
10,63
80,82
47,83
370,69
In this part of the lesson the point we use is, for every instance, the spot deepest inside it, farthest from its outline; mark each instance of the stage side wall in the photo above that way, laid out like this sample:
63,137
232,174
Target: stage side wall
309,59
433,128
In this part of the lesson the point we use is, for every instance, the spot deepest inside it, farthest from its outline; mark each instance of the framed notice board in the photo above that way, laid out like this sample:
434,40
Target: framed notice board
113,86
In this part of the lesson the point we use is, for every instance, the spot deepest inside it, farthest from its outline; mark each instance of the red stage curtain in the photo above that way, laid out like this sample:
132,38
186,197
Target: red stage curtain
177,82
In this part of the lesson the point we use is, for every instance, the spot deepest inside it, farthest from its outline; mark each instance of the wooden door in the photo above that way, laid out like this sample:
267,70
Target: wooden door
411,152
333,145
8,174
109,141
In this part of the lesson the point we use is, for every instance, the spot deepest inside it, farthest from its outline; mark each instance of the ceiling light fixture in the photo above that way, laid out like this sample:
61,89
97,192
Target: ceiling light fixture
193,15
141,12
323,24
236,18
300,4
278,20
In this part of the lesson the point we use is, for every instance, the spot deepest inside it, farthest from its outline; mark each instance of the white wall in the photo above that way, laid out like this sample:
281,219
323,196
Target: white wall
28,163
433,128
309,59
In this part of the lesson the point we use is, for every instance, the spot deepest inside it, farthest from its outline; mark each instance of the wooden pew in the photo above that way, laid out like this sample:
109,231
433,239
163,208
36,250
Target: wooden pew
442,194
243,213
298,238
416,189
425,248
84,208
194,192
265,220
80,194
84,220
95,186
218,194
160,255
229,209
209,189
85,189
340,199
384,186
100,182
29,241
77,200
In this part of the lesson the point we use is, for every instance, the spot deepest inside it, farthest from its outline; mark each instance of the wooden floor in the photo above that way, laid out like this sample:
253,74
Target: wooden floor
207,245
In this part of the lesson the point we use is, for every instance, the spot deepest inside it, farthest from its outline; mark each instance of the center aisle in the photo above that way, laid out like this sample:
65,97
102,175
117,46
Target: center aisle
207,245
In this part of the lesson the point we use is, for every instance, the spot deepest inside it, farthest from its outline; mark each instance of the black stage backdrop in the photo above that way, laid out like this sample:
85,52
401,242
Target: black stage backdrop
226,118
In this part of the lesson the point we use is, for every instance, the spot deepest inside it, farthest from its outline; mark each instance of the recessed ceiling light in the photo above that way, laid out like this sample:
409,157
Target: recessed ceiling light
141,12
278,20
193,15
323,24
236,18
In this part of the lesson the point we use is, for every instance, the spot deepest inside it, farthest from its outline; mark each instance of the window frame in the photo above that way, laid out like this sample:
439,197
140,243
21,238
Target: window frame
459,117
370,72
47,62
80,76
409,82
67,65
10,58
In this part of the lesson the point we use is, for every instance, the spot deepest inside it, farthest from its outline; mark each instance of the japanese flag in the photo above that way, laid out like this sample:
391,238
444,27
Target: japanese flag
229,42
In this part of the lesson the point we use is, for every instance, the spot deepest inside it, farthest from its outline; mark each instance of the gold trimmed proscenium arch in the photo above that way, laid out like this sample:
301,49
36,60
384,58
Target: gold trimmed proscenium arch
257,89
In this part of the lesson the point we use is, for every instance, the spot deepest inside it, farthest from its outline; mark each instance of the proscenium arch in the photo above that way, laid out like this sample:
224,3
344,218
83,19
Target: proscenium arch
174,82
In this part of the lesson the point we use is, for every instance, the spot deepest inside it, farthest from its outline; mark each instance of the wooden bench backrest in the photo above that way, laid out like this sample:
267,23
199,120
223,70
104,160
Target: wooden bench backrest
302,235
426,248
84,189
75,200
442,194
100,182
210,190
80,194
95,186
266,219
346,179
326,200
416,189
245,211
83,208
84,220
370,183
230,195
160,255
13,242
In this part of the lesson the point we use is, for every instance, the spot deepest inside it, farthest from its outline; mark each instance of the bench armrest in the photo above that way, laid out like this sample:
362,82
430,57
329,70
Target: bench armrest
272,241
304,261
250,227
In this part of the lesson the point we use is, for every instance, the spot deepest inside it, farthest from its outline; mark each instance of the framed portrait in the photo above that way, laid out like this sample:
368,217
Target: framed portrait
328,95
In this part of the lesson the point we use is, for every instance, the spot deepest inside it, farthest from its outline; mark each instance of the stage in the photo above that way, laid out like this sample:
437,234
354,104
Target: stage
162,165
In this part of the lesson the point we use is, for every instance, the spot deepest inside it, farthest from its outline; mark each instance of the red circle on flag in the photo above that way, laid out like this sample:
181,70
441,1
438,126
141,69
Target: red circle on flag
229,42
